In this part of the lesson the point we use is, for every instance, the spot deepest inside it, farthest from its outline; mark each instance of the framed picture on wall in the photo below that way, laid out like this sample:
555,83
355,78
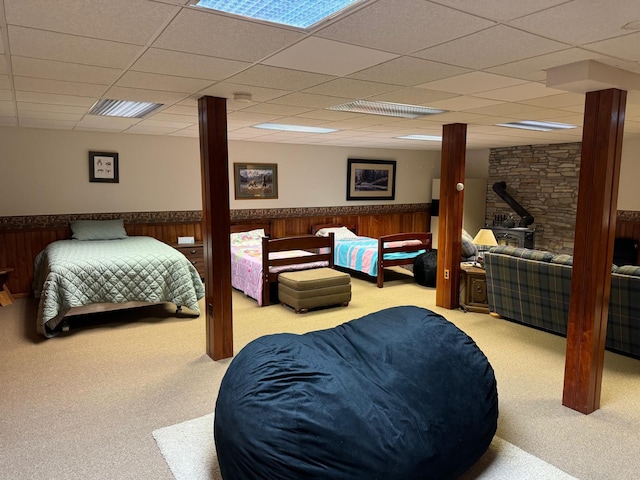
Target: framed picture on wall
255,180
371,179
103,167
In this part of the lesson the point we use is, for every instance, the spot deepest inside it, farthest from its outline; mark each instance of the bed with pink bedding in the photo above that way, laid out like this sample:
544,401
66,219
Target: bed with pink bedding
256,274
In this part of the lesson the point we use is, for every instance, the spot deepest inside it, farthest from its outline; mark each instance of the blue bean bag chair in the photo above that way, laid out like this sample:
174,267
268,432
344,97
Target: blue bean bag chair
398,394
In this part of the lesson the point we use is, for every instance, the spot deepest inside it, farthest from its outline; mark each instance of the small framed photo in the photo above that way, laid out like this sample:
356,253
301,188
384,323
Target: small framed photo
255,180
371,179
103,167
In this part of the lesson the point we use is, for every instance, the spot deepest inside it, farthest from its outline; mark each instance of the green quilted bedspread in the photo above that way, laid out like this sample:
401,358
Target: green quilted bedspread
73,273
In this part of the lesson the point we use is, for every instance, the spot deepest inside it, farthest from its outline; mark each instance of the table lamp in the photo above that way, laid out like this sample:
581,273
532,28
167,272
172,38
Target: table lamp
483,240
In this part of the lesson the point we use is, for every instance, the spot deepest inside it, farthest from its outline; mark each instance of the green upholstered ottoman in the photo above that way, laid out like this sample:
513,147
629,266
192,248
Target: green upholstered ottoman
317,287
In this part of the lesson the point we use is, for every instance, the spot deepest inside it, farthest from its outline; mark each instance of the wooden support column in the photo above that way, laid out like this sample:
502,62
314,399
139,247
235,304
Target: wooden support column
593,248
216,221
454,142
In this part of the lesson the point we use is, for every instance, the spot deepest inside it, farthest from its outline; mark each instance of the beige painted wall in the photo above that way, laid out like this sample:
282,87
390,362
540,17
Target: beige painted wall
46,172
628,192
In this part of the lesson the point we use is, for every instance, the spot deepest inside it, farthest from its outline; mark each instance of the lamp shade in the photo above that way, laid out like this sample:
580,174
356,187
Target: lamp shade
485,237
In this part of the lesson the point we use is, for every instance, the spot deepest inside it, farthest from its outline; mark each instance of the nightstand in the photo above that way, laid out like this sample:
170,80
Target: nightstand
5,295
194,253
473,289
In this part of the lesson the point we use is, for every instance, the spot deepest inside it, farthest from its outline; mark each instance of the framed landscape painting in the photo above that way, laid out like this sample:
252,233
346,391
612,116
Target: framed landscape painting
255,180
371,179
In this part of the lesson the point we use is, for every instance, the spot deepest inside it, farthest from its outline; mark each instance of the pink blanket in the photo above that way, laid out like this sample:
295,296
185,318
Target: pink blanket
246,268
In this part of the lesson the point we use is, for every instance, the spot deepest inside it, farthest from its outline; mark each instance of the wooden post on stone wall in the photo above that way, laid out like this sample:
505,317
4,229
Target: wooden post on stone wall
216,222
593,248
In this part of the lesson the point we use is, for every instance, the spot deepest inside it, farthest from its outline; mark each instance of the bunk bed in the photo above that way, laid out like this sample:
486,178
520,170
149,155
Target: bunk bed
371,256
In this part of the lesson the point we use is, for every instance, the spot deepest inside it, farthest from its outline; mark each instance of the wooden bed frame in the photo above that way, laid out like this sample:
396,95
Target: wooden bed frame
320,247
423,237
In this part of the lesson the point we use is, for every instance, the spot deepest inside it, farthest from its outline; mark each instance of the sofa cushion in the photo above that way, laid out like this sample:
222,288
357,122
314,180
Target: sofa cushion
562,259
629,270
469,249
527,253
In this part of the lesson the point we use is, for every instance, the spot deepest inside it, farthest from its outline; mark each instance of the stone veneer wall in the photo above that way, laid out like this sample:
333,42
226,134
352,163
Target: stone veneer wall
544,180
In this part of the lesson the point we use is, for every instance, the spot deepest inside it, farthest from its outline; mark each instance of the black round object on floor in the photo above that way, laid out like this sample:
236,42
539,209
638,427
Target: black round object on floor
398,394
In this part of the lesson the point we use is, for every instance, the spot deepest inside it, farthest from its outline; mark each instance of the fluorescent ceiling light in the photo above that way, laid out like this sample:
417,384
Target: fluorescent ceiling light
294,128
123,108
386,108
538,126
427,138
295,13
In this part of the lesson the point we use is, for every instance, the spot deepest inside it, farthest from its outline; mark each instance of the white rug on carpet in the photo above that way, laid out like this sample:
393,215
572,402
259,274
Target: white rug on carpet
189,451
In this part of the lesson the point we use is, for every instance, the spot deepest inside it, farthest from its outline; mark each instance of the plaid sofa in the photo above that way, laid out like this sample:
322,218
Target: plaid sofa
533,287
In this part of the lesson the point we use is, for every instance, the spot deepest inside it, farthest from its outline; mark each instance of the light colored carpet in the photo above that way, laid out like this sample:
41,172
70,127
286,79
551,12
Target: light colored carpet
189,450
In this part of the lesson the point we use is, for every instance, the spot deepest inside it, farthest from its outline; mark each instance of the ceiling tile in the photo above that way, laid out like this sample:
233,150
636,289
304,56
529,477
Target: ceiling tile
141,95
7,108
28,42
55,99
310,100
70,117
46,123
287,79
328,57
591,20
44,107
413,96
463,102
408,71
111,123
504,109
271,109
258,94
557,101
351,88
167,83
491,47
184,64
403,26
5,84
202,32
29,84
118,20
520,92
499,10
163,116
73,72
534,69
473,82
6,95
622,47
3,63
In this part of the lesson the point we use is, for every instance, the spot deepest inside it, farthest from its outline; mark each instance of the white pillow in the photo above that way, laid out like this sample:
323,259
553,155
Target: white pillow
340,233
252,237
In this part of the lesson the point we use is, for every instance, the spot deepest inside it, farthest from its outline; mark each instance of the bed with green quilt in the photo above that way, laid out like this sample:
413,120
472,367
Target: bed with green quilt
75,273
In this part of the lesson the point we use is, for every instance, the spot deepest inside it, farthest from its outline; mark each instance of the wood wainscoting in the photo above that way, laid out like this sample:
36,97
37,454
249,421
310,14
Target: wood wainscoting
22,238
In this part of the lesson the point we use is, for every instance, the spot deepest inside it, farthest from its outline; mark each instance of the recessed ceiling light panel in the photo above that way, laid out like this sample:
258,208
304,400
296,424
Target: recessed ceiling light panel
294,128
426,138
537,126
387,108
123,108
295,13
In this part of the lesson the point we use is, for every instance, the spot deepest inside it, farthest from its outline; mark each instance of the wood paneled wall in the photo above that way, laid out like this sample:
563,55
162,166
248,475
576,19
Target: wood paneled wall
19,247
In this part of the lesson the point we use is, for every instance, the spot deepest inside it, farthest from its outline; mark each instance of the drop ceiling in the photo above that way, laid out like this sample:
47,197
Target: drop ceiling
485,62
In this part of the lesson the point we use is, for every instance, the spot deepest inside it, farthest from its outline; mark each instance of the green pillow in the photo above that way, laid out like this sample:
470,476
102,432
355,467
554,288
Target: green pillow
98,229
